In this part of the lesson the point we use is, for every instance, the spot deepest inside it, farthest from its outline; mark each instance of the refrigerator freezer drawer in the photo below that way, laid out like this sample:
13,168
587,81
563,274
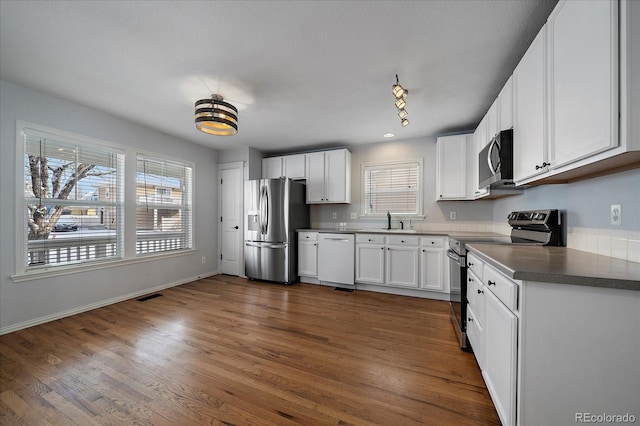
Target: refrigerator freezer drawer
268,261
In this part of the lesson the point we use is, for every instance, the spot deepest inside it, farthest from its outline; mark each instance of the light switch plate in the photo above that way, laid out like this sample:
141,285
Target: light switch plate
354,215
453,215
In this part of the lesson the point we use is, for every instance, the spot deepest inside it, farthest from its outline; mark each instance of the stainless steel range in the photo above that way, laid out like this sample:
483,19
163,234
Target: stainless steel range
533,227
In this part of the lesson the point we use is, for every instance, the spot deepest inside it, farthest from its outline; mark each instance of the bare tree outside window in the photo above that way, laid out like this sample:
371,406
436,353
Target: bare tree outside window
66,189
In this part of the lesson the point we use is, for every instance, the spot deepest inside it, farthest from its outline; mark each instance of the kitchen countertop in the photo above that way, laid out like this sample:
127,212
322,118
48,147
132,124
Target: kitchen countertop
400,232
559,265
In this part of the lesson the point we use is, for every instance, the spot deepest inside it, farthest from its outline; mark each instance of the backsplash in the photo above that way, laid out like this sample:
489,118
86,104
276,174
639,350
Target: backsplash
618,244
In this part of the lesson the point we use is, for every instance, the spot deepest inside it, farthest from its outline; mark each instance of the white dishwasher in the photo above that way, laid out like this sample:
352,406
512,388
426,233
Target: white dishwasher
336,258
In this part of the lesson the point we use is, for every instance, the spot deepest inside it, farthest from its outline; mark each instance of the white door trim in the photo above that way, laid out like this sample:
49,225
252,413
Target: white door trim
240,165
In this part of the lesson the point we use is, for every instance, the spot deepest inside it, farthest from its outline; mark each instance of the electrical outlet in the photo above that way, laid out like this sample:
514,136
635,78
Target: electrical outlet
616,214
334,215
354,215
204,260
452,215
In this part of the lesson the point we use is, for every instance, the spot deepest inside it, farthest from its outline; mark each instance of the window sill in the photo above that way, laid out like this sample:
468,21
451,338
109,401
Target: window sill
393,216
55,271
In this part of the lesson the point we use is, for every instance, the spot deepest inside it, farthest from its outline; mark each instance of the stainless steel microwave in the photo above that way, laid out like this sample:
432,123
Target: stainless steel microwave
495,162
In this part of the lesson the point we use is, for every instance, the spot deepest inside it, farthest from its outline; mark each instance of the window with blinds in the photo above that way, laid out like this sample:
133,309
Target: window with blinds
163,205
392,187
73,201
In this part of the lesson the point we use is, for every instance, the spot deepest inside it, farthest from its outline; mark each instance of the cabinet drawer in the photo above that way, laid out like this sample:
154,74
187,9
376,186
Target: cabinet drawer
432,242
307,236
403,240
504,289
369,239
475,296
475,333
476,265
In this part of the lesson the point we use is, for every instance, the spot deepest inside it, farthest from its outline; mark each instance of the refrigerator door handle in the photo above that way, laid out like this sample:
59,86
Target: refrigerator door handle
263,192
267,245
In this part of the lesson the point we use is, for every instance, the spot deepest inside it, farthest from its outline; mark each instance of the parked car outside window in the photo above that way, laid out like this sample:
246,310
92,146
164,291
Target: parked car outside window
65,224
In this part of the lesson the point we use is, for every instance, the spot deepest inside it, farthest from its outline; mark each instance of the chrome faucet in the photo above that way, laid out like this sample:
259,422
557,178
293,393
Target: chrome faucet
388,220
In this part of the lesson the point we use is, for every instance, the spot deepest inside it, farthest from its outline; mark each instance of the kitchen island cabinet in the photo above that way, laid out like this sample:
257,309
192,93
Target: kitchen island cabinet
556,349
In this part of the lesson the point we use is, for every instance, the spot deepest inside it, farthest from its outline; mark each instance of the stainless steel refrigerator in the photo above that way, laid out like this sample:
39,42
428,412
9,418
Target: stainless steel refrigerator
274,209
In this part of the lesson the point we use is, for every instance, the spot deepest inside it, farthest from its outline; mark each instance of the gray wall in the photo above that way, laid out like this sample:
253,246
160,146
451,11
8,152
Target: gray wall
22,302
587,203
409,149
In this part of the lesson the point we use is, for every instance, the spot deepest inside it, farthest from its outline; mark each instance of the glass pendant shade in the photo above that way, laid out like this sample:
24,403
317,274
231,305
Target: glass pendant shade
402,113
400,103
404,122
216,117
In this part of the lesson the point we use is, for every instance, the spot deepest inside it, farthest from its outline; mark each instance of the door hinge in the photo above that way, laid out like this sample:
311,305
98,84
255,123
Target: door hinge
220,256
220,181
220,218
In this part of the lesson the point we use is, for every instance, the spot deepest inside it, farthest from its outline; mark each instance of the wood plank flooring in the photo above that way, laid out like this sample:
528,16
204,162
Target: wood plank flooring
225,350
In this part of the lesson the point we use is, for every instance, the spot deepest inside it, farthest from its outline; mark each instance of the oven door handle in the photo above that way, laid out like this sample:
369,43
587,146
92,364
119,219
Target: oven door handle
454,256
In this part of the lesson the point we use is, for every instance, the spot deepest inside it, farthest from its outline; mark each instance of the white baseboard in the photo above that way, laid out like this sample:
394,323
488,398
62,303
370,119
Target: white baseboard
100,304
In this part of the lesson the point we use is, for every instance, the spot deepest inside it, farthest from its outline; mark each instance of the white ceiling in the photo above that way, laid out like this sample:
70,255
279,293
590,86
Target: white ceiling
304,74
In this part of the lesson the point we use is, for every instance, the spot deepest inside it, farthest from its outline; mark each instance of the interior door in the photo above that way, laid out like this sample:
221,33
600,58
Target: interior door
230,225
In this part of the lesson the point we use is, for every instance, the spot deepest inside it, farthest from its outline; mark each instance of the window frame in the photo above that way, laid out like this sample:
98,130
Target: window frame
190,189
387,164
128,236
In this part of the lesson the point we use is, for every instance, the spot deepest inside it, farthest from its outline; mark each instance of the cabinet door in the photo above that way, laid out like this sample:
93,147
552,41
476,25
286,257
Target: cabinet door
493,118
451,174
338,176
505,111
529,122
479,142
315,178
370,263
431,268
272,167
402,266
308,258
294,166
583,80
500,331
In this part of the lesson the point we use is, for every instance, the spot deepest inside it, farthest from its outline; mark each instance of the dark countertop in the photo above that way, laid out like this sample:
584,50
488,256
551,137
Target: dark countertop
400,232
559,265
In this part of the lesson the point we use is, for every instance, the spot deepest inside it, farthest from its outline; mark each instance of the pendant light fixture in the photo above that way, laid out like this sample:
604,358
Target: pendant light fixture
216,117
400,93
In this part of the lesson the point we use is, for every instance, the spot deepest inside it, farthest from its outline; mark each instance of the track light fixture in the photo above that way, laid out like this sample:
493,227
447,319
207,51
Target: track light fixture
216,117
400,93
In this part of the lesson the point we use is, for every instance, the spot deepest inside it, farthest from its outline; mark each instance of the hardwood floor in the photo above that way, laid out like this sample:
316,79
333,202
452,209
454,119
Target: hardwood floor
225,350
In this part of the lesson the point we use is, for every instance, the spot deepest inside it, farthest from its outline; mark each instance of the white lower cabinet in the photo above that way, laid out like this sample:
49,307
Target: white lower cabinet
433,265
402,261
500,357
542,368
370,261
308,254
402,266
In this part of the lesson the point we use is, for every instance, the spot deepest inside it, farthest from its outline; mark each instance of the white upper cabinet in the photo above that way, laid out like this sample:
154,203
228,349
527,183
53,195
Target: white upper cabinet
294,166
291,166
272,168
328,176
480,139
505,106
583,80
529,121
451,178
492,116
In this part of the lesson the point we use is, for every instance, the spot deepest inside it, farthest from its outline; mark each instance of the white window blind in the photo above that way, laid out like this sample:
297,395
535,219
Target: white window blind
73,201
392,187
163,199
